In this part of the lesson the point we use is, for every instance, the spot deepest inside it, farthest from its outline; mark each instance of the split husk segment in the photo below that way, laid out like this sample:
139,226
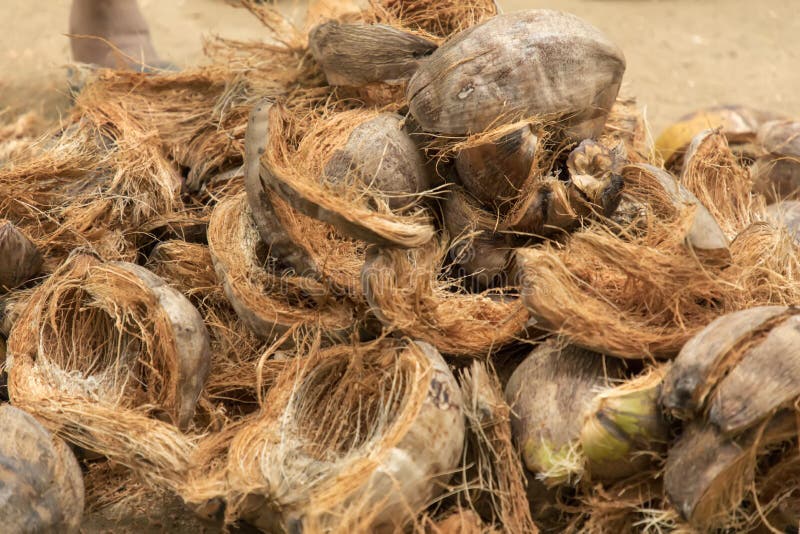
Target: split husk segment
97,352
351,456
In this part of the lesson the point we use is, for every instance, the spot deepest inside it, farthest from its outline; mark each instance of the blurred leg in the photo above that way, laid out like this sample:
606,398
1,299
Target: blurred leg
119,22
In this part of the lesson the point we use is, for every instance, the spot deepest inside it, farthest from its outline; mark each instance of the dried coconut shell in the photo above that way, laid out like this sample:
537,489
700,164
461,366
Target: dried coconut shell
787,214
311,247
20,260
353,437
484,76
714,175
267,301
739,124
104,351
42,481
704,234
497,480
355,55
550,393
407,293
330,179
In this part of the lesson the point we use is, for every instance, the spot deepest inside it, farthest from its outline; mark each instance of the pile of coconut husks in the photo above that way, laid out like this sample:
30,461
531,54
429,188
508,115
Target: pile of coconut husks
414,266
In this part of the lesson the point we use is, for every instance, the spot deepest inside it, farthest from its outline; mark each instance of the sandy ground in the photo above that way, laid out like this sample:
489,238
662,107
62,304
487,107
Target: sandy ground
682,54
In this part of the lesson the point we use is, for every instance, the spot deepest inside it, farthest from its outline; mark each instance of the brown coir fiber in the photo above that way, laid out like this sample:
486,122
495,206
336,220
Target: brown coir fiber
495,482
294,165
104,353
336,445
642,289
408,292
235,350
269,302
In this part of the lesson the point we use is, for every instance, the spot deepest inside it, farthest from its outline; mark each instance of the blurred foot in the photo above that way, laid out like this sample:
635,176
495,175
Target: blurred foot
112,34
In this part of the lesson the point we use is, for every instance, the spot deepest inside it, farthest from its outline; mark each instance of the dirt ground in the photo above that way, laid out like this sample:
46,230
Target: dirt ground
682,54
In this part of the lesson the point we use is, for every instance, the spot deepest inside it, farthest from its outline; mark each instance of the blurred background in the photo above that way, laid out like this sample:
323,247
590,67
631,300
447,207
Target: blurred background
682,54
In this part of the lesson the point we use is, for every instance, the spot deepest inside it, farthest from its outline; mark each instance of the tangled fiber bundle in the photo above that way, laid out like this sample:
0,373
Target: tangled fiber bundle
437,19
356,454
496,480
269,303
408,292
104,352
645,289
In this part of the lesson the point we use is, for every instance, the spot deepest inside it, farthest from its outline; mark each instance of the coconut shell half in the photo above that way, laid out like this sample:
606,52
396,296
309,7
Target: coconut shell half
530,63
338,168
707,474
20,260
667,197
480,252
41,480
105,351
355,55
713,353
495,170
361,436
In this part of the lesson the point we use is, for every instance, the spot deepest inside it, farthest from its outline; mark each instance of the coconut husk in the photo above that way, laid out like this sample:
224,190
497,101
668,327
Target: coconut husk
727,370
360,54
104,351
495,167
739,125
444,98
268,303
713,174
42,482
476,249
550,394
496,483
236,350
307,175
598,290
437,18
707,474
344,440
627,125
625,429
776,173
408,293
20,260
